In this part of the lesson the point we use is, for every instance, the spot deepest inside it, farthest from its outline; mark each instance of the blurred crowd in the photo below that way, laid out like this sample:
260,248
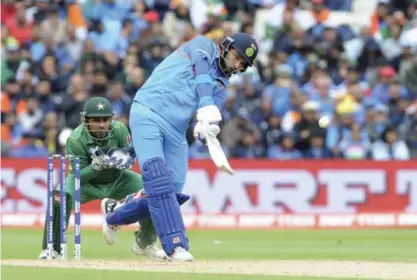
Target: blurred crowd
320,88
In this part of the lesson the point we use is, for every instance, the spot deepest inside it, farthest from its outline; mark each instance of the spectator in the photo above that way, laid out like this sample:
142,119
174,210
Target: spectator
6,39
234,130
317,149
248,146
10,63
76,19
162,7
12,93
109,10
37,46
125,36
338,5
28,82
381,90
390,42
135,80
153,55
308,125
319,14
276,98
32,116
251,102
18,26
231,107
77,83
103,39
72,106
12,130
38,13
409,129
32,147
410,76
53,26
341,128
119,99
379,17
271,131
282,16
8,11
286,149
355,145
321,94
397,104
369,54
43,91
138,19
356,94
376,120
49,70
72,44
178,25
293,116
50,130
390,147
100,83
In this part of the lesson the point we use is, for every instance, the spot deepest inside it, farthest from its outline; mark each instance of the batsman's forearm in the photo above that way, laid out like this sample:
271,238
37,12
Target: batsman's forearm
204,84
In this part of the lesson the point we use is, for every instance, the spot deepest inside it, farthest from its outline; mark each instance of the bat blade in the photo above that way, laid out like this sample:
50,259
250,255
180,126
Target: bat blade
217,154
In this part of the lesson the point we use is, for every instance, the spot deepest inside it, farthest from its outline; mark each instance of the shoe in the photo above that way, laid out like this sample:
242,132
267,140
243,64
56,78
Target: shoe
151,251
109,231
181,255
44,255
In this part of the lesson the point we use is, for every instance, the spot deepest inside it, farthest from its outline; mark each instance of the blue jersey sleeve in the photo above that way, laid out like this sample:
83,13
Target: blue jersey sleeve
201,48
201,51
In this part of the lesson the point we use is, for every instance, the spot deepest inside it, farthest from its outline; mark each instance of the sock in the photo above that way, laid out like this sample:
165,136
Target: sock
147,234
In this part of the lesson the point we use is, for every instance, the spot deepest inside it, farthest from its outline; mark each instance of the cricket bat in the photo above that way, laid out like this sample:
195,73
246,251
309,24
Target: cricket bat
217,154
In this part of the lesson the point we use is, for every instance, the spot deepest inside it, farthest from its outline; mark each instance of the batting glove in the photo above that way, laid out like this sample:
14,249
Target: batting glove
201,130
209,114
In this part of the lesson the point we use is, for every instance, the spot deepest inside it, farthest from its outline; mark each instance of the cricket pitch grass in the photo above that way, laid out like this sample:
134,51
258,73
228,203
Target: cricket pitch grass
224,255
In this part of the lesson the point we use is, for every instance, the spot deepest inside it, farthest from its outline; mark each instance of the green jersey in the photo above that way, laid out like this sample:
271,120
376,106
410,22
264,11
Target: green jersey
80,143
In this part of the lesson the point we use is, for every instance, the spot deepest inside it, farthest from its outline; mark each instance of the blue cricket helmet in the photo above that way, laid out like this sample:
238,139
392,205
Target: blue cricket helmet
245,45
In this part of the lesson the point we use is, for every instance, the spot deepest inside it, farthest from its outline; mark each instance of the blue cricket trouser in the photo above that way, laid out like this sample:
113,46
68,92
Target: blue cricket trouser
153,137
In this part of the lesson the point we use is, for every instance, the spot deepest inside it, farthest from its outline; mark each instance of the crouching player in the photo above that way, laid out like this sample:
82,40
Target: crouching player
106,155
190,80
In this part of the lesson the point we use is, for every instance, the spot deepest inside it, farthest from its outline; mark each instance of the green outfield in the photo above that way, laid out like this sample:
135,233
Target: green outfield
225,254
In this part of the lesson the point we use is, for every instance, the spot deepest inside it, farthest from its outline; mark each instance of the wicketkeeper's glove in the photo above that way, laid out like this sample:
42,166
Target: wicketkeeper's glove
122,158
100,160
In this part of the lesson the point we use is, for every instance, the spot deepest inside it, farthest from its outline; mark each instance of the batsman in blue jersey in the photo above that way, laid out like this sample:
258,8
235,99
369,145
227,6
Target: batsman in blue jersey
191,80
